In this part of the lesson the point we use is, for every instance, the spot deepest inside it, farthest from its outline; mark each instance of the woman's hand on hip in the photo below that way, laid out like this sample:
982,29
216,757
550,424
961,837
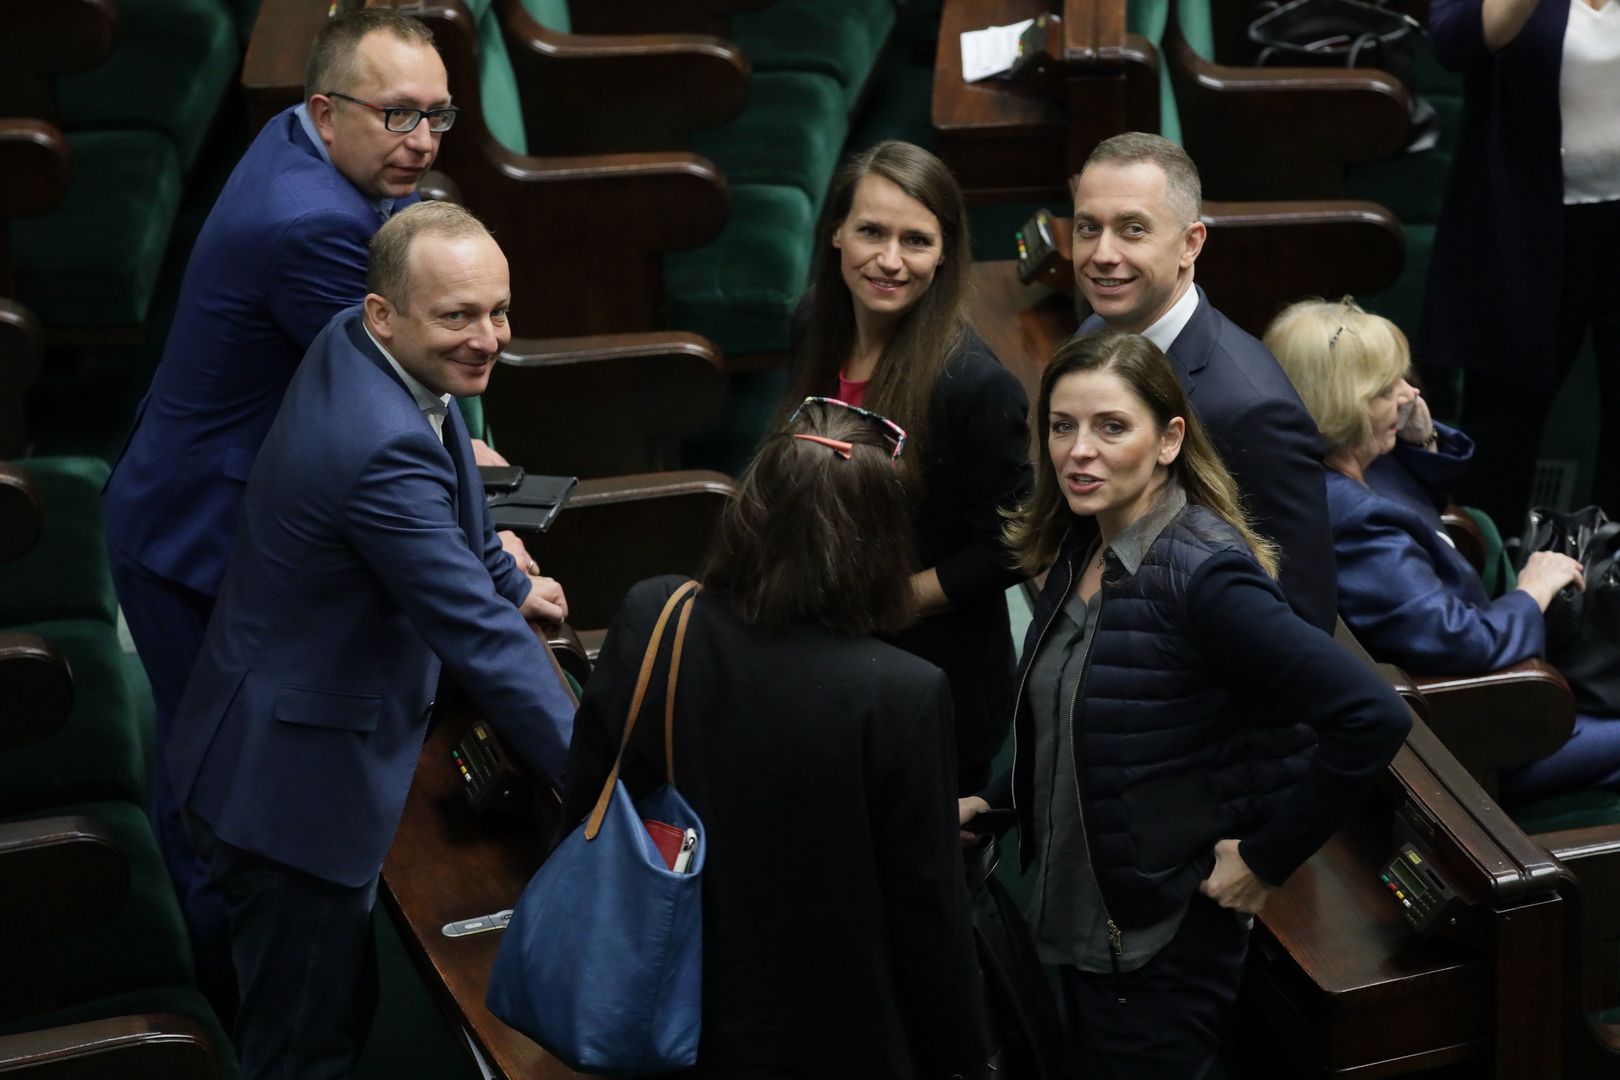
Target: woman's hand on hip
1232,884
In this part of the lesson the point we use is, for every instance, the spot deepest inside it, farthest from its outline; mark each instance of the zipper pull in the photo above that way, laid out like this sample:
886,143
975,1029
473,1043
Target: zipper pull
1116,940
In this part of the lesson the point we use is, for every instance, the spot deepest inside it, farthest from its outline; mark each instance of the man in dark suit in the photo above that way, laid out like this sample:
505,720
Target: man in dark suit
364,558
1137,236
283,250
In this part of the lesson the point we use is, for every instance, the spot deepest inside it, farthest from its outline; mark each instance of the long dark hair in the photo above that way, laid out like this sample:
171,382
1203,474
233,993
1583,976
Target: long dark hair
914,357
1036,529
813,537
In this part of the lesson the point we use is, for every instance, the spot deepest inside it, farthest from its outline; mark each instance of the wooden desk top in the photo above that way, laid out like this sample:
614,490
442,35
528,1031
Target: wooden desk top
446,864
997,104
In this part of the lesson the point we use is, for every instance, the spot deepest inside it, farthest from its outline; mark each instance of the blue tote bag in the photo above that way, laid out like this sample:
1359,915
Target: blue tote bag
602,961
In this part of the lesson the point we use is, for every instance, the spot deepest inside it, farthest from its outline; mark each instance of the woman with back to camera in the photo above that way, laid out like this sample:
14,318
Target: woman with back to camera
884,326
1524,262
1404,591
1163,768
836,934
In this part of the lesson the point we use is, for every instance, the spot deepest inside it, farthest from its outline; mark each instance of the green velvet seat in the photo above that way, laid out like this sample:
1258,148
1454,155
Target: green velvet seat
179,1000
790,133
842,39
144,944
65,574
93,261
1148,18
102,751
169,71
739,291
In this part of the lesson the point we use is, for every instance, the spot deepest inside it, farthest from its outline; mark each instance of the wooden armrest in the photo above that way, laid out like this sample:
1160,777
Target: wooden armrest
1465,533
1500,718
1093,31
56,37
570,651
437,187
144,1045
62,874
35,167
1333,117
604,405
618,530
646,91
22,514
584,235
22,346
1590,858
659,16
1261,256
37,687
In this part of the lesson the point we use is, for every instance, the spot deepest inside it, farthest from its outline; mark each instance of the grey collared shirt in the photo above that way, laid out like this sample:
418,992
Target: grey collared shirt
1066,909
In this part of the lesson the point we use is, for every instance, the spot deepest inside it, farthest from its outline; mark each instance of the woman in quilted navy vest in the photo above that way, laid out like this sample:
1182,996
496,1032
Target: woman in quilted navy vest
1182,740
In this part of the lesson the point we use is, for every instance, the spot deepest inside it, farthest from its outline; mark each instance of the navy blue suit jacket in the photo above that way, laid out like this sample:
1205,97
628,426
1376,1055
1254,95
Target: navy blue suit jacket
364,556
1268,442
283,250
1412,600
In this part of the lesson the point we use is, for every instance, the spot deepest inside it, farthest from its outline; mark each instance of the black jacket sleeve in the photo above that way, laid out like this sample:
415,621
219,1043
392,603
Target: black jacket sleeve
1255,642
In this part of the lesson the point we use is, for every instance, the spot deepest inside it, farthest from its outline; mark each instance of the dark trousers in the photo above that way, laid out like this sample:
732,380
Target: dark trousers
305,959
167,622
1165,1019
1506,420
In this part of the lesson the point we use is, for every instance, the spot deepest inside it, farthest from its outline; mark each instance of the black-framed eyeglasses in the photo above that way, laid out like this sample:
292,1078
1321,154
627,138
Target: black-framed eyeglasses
402,121
893,432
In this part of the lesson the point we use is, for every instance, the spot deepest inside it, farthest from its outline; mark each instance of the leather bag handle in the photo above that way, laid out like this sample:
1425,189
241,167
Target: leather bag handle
648,660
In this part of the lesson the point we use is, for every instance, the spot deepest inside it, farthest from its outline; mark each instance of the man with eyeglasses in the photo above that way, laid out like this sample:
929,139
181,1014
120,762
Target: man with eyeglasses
283,250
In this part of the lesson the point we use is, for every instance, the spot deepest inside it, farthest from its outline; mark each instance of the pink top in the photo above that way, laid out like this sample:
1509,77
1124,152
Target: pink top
852,393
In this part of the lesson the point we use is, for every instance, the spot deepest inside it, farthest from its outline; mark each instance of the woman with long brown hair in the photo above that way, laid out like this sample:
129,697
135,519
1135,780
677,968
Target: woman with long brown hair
884,326
1163,772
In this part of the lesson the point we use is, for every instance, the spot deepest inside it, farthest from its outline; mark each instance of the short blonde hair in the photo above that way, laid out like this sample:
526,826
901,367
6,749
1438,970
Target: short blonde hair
1339,358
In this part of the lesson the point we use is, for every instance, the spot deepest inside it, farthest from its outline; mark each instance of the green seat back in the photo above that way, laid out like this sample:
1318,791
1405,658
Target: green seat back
1148,18
145,943
497,82
169,72
100,752
65,575
841,39
551,14
93,261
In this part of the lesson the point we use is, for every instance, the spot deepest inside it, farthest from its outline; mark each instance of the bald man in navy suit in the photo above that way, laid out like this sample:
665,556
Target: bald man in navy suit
364,561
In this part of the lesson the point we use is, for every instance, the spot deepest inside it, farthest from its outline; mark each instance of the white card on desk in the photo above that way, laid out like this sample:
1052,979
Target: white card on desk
990,51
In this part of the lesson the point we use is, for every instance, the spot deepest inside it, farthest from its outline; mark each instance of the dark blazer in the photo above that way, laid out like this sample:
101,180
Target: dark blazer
1420,480
977,465
364,557
283,250
1503,215
836,934
1268,442
1412,600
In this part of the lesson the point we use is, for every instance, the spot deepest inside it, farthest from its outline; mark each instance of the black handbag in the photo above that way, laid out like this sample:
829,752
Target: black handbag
1023,1013
1583,628
1336,33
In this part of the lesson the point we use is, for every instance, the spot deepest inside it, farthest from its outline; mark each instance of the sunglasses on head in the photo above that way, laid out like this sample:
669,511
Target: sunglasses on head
892,432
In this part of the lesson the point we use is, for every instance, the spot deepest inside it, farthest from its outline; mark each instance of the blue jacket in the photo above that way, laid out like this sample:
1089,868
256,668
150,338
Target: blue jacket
1268,442
364,557
283,250
1412,600
1199,702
